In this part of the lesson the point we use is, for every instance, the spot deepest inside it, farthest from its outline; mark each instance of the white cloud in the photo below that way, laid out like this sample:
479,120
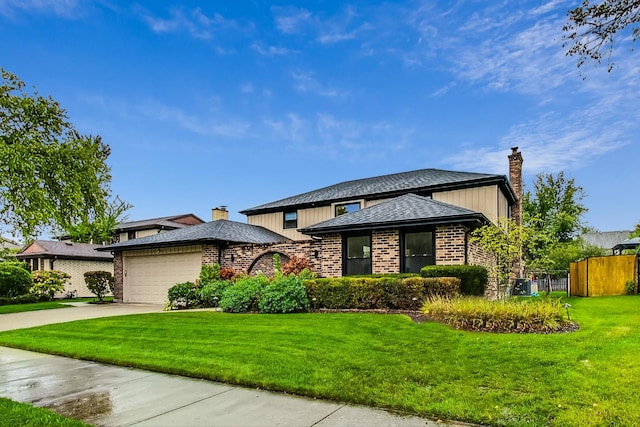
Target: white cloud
291,20
306,83
195,22
270,50
63,8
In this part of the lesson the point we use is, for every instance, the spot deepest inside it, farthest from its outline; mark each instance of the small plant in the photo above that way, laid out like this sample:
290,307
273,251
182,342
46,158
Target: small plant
99,283
209,273
47,283
630,287
211,293
183,295
227,273
285,295
295,265
14,280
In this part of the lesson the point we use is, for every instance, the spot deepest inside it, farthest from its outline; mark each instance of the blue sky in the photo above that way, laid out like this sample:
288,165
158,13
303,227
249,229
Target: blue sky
246,102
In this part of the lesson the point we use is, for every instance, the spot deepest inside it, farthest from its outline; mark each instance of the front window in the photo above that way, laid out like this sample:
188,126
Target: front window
131,235
346,208
291,219
418,251
357,258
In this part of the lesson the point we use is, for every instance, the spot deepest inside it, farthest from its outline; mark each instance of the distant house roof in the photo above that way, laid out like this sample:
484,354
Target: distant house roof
8,244
405,211
221,230
63,250
165,223
386,186
606,239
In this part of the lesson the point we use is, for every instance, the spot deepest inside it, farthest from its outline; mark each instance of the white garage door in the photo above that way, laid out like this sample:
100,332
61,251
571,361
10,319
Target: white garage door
147,278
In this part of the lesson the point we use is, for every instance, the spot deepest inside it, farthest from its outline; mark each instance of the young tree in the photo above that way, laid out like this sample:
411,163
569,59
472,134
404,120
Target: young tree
50,175
593,27
99,229
99,283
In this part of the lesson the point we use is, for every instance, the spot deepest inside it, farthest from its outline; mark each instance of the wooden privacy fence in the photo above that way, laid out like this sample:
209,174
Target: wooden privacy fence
603,275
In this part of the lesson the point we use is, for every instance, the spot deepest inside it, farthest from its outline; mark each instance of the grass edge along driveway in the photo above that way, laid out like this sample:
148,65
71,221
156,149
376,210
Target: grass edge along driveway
588,377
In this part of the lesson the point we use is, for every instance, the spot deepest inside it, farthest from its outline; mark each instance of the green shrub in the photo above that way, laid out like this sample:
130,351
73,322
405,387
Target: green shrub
47,283
99,282
14,280
513,315
209,273
183,295
630,287
385,292
244,294
227,273
211,292
473,278
21,299
284,295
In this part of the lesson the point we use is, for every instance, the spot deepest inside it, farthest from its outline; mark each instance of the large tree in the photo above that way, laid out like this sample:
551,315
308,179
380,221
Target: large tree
592,28
50,175
99,229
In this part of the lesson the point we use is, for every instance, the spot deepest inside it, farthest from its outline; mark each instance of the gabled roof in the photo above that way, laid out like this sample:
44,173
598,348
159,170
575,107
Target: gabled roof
64,250
628,244
405,211
606,239
8,243
165,222
385,186
222,230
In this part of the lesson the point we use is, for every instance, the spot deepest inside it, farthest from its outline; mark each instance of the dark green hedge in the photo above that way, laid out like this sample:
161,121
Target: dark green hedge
367,293
473,278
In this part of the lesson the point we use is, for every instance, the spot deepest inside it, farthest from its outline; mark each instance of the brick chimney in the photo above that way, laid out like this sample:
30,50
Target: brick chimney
515,177
219,213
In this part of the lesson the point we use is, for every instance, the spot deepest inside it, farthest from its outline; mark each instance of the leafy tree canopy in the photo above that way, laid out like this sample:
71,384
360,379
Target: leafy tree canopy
50,175
636,231
593,27
99,229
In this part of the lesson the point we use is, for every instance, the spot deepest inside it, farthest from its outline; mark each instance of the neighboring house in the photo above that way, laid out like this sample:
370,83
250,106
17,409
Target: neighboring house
628,244
386,224
9,244
148,227
73,258
606,240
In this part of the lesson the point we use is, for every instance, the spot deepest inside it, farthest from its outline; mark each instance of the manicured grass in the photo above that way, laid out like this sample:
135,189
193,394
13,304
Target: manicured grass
47,305
584,378
21,414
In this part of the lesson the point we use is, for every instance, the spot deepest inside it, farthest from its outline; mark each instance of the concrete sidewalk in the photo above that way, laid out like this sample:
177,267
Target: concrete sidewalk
105,395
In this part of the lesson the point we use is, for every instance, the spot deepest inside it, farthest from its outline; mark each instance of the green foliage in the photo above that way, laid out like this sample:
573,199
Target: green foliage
24,414
364,293
183,295
99,283
284,295
506,241
209,273
630,287
14,280
99,228
51,175
473,278
21,299
244,295
277,264
47,283
211,292
561,255
636,231
513,315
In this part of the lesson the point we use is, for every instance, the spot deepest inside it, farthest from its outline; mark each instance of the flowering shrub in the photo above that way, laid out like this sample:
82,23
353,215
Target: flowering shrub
47,283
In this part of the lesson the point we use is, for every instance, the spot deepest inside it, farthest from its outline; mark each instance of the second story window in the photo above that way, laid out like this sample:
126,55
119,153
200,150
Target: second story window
131,235
291,219
346,208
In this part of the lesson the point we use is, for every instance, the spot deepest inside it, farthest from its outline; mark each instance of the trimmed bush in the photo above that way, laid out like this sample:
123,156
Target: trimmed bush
209,273
479,314
183,295
47,283
99,283
285,295
21,299
295,265
211,292
14,280
244,294
379,293
473,278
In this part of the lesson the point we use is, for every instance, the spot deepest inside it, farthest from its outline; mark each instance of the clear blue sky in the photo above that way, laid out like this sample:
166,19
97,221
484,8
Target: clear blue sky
240,103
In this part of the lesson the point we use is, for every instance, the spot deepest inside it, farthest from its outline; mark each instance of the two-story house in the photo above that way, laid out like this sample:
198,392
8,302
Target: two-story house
385,224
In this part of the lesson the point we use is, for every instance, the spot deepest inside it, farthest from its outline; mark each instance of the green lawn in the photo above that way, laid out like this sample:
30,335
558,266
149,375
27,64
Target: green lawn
47,305
14,414
586,378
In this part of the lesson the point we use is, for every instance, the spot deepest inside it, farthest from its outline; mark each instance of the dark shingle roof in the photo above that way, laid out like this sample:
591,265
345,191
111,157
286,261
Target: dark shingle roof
404,211
628,244
63,249
386,186
162,222
221,230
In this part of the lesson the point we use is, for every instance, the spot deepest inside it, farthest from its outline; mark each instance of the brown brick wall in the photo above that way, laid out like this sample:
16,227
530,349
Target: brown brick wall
210,254
451,243
385,251
330,256
118,276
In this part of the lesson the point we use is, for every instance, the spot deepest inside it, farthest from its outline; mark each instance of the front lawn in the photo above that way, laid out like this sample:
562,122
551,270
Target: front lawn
22,414
46,305
588,377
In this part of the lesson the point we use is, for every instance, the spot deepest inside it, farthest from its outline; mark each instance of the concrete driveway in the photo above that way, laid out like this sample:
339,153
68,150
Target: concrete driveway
77,311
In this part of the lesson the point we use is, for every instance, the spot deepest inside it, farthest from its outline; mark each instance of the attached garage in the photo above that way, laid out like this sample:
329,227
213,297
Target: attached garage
148,274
